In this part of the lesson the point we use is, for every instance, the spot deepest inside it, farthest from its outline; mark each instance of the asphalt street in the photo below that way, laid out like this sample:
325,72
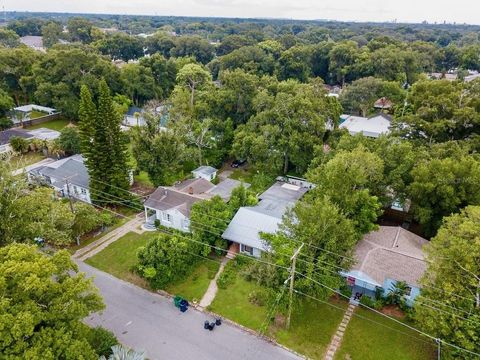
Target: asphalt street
150,322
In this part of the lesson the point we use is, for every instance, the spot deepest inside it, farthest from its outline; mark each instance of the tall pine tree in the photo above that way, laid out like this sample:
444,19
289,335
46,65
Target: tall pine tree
87,114
104,147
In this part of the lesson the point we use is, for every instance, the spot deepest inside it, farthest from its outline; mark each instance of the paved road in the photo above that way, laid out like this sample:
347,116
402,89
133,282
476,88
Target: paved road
150,322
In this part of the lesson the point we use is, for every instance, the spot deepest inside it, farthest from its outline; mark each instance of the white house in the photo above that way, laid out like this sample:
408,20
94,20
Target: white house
205,172
266,216
385,257
69,177
171,206
41,134
371,127
24,112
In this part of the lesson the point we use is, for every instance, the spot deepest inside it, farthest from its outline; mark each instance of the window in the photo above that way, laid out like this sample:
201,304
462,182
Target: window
167,217
246,249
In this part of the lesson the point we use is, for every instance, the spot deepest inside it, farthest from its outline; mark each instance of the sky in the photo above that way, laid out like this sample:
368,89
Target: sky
460,11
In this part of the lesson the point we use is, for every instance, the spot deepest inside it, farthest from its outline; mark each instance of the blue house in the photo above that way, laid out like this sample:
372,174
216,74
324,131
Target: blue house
385,257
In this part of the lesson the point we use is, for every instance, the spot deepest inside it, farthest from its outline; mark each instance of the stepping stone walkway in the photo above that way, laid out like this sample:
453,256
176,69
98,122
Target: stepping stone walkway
337,338
207,299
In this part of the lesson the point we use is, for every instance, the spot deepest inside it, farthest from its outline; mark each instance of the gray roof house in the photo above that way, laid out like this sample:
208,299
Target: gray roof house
266,216
69,177
171,205
386,256
372,127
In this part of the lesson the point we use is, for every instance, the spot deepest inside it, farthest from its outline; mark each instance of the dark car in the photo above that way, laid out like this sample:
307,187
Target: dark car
238,163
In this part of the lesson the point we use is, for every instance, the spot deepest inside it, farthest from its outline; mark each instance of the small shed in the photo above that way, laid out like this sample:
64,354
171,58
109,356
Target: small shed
205,172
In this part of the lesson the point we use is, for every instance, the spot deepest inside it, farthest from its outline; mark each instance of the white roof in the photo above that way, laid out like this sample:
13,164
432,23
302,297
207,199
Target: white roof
205,170
371,127
31,107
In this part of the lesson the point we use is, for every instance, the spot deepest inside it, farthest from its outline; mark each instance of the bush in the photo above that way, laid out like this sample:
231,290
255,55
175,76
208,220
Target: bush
102,340
69,140
108,219
346,291
19,144
379,304
5,124
227,277
259,297
367,301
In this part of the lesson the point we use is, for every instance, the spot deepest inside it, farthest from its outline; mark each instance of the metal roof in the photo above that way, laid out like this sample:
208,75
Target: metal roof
371,127
205,170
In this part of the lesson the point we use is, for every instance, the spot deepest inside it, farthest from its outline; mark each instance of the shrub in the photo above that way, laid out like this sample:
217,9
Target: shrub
367,301
259,297
69,140
227,277
5,124
19,144
346,291
108,219
379,304
102,341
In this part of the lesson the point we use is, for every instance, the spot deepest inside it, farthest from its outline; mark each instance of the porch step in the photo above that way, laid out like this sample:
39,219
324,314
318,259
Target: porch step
231,255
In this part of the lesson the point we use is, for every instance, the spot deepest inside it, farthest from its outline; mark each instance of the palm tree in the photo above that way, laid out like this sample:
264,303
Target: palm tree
120,352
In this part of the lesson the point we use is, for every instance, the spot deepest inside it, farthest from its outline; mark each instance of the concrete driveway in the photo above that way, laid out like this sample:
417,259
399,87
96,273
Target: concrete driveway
146,321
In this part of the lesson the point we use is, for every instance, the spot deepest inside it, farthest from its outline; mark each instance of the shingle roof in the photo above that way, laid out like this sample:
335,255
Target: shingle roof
391,252
72,168
195,186
165,199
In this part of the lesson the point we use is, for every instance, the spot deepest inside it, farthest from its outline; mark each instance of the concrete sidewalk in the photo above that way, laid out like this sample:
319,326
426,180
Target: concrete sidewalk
100,244
211,292
146,321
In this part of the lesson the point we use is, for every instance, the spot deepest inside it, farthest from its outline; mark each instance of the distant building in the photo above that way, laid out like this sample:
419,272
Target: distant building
385,257
29,112
383,104
33,42
370,127
134,117
41,134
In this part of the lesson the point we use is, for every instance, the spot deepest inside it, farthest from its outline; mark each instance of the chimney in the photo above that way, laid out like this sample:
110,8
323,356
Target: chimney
190,190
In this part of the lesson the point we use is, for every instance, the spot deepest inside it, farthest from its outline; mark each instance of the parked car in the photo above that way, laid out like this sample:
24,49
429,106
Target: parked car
238,163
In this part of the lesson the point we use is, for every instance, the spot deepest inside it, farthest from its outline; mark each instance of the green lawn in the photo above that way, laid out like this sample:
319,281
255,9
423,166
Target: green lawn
312,327
20,161
142,178
242,174
365,340
120,256
196,284
57,124
88,239
233,304
37,114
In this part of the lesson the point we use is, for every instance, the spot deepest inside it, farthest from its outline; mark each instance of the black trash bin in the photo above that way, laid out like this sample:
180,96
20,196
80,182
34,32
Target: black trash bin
218,321
206,325
212,325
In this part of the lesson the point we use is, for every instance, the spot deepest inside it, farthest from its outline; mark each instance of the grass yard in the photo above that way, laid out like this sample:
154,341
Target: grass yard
120,256
312,327
196,284
37,114
20,161
365,340
242,174
142,179
233,304
90,238
57,124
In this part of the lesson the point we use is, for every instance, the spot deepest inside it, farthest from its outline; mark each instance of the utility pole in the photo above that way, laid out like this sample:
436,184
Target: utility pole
439,343
293,259
71,202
